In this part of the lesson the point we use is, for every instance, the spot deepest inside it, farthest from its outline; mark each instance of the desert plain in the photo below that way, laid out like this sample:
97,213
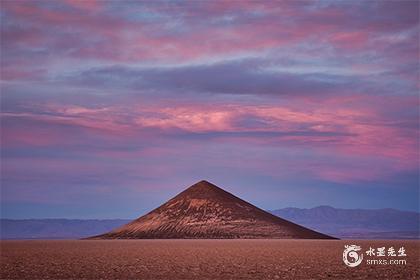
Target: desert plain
199,259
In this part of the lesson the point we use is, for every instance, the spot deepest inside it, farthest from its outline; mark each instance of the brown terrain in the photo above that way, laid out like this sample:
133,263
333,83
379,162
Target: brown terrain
199,259
206,211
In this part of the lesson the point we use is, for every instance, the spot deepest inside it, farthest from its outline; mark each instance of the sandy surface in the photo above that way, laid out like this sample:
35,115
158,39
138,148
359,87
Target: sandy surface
198,259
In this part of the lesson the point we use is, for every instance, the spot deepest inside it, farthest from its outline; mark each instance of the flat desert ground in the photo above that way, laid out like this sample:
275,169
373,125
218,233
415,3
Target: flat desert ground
198,259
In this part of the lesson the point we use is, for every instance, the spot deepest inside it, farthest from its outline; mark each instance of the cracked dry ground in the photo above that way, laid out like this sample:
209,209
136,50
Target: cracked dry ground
198,259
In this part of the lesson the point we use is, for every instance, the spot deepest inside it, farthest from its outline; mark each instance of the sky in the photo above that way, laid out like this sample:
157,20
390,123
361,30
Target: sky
110,108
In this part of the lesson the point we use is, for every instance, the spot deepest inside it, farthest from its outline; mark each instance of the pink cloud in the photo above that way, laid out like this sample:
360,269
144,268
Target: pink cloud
348,131
90,5
110,37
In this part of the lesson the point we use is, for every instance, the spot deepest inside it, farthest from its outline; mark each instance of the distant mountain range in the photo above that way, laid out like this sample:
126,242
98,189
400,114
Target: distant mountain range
56,228
342,223
356,223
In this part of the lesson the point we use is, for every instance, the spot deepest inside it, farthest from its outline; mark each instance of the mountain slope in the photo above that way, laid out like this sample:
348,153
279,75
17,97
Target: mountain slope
206,211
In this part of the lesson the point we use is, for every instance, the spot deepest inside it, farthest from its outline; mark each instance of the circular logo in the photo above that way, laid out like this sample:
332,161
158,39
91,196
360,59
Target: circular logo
351,256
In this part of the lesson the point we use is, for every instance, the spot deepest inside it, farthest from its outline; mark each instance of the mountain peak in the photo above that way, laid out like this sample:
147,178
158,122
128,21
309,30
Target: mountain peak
203,185
204,210
204,182
203,190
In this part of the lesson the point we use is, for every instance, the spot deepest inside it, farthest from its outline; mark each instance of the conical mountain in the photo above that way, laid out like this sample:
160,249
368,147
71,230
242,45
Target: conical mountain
207,211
